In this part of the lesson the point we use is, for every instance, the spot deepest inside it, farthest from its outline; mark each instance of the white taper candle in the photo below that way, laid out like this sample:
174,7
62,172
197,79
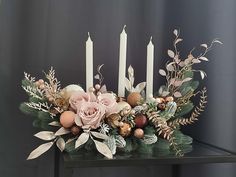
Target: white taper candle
89,63
149,71
122,63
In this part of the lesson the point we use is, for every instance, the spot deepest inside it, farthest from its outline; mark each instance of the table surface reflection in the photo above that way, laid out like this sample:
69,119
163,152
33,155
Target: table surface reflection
196,153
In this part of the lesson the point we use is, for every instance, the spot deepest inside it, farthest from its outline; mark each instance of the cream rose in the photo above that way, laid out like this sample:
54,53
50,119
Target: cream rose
108,100
77,98
90,114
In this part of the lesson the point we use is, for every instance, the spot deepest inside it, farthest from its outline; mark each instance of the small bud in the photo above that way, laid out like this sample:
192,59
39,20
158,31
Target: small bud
97,86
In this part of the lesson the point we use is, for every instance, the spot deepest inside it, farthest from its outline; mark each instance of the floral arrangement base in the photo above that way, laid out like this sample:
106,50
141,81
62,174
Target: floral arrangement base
101,121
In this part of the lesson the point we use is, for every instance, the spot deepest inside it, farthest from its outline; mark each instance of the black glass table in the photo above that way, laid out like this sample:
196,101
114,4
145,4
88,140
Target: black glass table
200,153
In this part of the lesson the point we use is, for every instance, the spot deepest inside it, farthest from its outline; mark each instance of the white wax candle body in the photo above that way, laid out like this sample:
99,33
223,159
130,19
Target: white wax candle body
149,75
89,63
122,63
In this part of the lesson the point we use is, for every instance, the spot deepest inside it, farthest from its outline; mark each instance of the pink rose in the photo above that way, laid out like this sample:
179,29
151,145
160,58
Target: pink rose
77,98
89,115
108,100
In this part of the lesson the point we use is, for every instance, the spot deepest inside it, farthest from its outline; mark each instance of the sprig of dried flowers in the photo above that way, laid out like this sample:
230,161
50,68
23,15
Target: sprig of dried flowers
72,118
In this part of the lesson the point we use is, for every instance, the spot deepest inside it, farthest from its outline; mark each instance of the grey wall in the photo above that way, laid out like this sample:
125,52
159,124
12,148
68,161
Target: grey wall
35,35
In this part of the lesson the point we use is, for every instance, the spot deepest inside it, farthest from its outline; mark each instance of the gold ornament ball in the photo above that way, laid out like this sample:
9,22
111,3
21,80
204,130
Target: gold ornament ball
139,133
169,99
67,119
134,99
75,130
123,105
125,130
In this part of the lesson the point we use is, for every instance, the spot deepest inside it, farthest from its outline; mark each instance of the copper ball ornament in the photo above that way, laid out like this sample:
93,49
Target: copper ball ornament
67,119
140,120
75,130
134,99
139,133
125,130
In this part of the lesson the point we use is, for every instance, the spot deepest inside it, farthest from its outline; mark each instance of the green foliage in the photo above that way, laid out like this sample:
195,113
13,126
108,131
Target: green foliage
149,130
188,87
42,124
27,110
145,148
44,116
182,139
26,83
131,144
188,73
70,147
185,109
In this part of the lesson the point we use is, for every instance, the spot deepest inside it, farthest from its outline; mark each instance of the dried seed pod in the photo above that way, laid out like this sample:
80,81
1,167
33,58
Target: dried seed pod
125,130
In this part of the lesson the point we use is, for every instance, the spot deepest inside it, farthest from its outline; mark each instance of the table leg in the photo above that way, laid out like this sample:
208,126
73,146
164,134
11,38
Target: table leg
56,163
175,170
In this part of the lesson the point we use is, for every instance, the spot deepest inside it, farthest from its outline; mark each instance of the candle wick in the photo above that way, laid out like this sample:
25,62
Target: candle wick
124,27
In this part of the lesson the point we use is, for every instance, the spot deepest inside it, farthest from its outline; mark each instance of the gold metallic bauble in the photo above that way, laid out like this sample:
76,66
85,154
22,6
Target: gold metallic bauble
67,119
113,120
125,130
134,99
123,106
139,133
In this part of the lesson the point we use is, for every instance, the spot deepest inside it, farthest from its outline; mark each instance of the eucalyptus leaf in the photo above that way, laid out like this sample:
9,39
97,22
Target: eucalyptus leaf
128,85
61,144
45,135
99,135
175,32
55,124
103,149
162,72
203,58
111,143
171,53
140,87
82,139
40,150
62,131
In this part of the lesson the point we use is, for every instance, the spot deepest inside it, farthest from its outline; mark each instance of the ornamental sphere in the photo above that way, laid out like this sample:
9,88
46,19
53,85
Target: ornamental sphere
67,119
139,133
123,105
134,99
125,130
169,99
140,120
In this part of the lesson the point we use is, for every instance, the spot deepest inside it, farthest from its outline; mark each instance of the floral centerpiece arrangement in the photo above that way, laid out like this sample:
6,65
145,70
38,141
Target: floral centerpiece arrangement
74,119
